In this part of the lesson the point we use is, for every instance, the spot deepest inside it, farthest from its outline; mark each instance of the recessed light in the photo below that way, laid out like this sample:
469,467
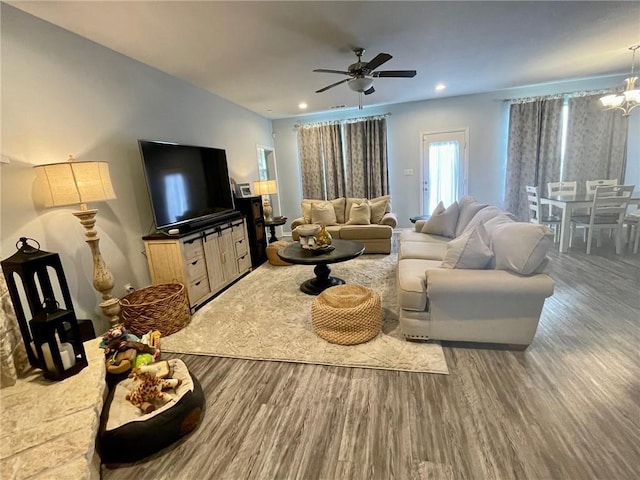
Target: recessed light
440,87
302,105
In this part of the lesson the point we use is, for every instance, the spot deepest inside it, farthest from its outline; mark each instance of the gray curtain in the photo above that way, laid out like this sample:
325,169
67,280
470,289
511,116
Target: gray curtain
533,152
596,142
366,158
321,161
333,161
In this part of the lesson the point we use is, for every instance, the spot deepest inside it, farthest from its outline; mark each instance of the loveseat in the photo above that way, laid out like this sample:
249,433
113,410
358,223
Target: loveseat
368,221
470,273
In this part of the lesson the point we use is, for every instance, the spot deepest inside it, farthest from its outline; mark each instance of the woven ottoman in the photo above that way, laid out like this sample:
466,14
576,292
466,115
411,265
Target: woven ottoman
347,314
272,253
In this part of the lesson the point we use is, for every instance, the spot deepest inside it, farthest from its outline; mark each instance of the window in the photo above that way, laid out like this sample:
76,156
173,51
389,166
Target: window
443,168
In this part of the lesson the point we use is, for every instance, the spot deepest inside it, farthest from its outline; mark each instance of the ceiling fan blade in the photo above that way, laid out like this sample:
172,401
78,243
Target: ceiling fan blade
324,70
377,61
369,91
395,73
332,85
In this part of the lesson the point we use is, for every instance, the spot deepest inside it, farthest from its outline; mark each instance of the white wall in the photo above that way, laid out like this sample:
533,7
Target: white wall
486,117
61,95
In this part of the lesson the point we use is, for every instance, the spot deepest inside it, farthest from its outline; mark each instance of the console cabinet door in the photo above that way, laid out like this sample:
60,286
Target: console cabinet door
228,255
213,256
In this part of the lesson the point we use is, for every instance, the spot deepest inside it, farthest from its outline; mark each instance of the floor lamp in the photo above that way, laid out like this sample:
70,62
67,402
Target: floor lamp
266,188
73,183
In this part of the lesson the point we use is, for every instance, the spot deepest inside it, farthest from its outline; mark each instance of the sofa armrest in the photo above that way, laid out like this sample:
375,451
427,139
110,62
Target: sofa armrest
442,282
297,222
490,306
420,224
390,219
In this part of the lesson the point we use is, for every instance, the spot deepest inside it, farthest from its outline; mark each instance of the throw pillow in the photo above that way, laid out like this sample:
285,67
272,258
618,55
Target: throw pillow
323,213
443,222
468,208
338,206
360,214
378,208
470,250
350,202
519,246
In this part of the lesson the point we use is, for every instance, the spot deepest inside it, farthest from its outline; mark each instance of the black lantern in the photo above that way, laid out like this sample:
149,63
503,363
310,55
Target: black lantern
52,337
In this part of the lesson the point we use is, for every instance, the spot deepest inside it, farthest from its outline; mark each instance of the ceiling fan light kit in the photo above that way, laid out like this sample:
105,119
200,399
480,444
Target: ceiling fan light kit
362,74
630,98
360,84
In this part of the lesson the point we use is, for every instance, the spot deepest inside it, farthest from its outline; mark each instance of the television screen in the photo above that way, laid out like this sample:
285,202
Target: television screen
187,184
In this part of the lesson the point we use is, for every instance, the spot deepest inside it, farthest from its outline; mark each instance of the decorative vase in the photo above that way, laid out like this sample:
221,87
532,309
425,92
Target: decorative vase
323,237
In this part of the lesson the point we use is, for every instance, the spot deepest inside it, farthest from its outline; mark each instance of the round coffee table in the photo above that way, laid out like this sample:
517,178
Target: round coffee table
343,250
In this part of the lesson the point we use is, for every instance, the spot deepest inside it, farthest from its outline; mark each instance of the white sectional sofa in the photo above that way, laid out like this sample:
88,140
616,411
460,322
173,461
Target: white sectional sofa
478,277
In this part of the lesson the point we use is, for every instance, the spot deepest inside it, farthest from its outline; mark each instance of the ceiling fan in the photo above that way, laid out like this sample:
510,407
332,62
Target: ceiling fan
361,74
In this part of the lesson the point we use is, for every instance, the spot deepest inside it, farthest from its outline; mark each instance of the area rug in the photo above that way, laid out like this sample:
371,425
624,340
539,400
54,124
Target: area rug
265,316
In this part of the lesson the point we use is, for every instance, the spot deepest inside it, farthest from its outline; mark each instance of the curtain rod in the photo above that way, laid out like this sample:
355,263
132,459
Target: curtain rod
338,122
581,93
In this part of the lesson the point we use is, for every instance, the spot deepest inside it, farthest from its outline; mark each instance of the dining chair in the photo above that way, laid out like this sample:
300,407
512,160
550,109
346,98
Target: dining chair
535,211
632,222
607,212
566,188
593,184
557,188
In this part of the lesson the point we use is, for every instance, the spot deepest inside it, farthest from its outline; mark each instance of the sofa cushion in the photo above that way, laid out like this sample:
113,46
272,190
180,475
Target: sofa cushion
323,213
483,215
468,209
470,250
443,222
519,246
422,250
338,206
411,236
365,232
334,230
360,214
412,283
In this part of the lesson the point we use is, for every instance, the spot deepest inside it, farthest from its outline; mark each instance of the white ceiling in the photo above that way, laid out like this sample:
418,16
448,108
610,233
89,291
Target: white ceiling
261,55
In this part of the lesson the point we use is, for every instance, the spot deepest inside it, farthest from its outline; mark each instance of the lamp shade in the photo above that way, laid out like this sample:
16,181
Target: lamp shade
72,183
265,187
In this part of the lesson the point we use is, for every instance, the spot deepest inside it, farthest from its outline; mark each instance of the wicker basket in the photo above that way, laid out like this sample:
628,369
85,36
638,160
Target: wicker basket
158,307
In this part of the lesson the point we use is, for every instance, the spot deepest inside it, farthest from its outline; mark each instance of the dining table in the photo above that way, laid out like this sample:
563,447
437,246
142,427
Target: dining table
568,203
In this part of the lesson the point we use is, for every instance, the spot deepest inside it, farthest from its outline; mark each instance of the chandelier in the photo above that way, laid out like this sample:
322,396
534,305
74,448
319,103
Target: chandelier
630,98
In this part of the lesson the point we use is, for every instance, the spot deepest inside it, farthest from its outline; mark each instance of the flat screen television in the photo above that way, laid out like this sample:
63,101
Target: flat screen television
188,185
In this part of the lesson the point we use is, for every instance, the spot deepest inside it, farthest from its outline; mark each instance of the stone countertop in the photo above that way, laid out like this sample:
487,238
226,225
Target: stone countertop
48,429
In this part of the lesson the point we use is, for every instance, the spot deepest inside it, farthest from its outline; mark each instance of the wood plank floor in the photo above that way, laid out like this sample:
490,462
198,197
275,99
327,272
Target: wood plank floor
566,408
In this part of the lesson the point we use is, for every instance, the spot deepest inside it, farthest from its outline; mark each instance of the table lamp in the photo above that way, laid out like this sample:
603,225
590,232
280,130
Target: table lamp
72,183
266,188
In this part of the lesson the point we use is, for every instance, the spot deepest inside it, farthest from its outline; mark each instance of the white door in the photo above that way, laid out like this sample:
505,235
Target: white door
444,168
